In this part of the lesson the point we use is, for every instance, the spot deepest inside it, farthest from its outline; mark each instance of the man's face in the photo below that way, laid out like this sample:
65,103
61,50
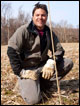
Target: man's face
39,18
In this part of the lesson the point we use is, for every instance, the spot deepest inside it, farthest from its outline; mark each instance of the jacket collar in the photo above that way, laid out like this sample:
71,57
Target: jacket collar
32,28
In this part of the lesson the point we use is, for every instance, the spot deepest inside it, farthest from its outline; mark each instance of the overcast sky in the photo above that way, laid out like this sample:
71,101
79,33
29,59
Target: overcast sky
60,10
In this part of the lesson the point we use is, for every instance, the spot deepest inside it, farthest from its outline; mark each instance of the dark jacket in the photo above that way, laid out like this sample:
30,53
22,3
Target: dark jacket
27,49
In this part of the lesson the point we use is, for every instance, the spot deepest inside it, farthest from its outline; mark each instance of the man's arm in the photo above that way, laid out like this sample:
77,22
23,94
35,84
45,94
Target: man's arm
14,60
58,49
14,46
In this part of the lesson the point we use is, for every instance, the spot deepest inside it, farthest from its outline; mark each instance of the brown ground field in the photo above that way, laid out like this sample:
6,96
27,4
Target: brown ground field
69,85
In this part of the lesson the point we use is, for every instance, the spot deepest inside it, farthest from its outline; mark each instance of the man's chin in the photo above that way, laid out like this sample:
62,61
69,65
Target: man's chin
40,27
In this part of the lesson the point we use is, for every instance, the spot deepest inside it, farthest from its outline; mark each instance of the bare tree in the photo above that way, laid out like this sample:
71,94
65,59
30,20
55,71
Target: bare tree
5,11
5,17
66,32
22,17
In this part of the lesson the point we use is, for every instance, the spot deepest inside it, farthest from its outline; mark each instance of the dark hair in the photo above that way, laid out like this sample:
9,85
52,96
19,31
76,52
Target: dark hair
42,6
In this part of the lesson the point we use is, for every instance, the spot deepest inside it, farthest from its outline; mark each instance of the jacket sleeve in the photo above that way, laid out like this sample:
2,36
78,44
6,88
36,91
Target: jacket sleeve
13,51
14,60
58,49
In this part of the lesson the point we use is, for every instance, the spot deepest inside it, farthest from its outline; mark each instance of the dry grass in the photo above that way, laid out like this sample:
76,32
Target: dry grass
69,85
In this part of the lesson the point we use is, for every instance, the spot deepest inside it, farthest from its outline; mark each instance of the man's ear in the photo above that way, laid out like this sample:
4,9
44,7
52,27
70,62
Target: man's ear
32,17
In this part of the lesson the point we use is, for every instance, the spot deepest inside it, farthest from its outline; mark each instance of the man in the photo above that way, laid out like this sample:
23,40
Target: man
28,54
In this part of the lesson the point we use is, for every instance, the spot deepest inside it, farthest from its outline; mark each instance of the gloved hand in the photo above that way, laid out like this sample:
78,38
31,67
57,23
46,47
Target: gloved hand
29,74
48,69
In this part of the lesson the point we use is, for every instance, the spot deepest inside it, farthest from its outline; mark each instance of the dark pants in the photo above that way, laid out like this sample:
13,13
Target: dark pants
31,91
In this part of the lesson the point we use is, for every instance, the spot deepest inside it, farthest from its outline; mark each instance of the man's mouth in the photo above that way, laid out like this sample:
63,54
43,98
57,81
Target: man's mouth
40,22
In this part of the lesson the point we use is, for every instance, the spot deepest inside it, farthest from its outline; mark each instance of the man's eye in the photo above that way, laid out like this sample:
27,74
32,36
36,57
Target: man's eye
37,15
44,15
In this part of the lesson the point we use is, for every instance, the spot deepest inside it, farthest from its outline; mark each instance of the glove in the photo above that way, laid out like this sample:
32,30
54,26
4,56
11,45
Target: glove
28,74
48,69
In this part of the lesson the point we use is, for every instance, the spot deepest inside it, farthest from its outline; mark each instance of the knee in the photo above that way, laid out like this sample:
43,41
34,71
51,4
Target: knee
32,101
71,63
68,65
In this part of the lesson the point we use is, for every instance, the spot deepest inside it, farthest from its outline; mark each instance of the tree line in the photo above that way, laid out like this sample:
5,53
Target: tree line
9,24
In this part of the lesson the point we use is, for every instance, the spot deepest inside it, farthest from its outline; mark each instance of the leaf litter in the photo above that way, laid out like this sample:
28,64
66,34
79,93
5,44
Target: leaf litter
69,85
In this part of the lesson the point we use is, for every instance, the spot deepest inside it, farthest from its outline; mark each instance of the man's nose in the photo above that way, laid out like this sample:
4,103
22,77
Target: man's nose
40,17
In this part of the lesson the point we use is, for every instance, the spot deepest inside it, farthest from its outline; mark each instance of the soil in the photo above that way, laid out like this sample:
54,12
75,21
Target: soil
69,85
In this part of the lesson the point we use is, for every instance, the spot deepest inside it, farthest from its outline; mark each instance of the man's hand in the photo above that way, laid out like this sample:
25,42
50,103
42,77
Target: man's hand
48,69
29,74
